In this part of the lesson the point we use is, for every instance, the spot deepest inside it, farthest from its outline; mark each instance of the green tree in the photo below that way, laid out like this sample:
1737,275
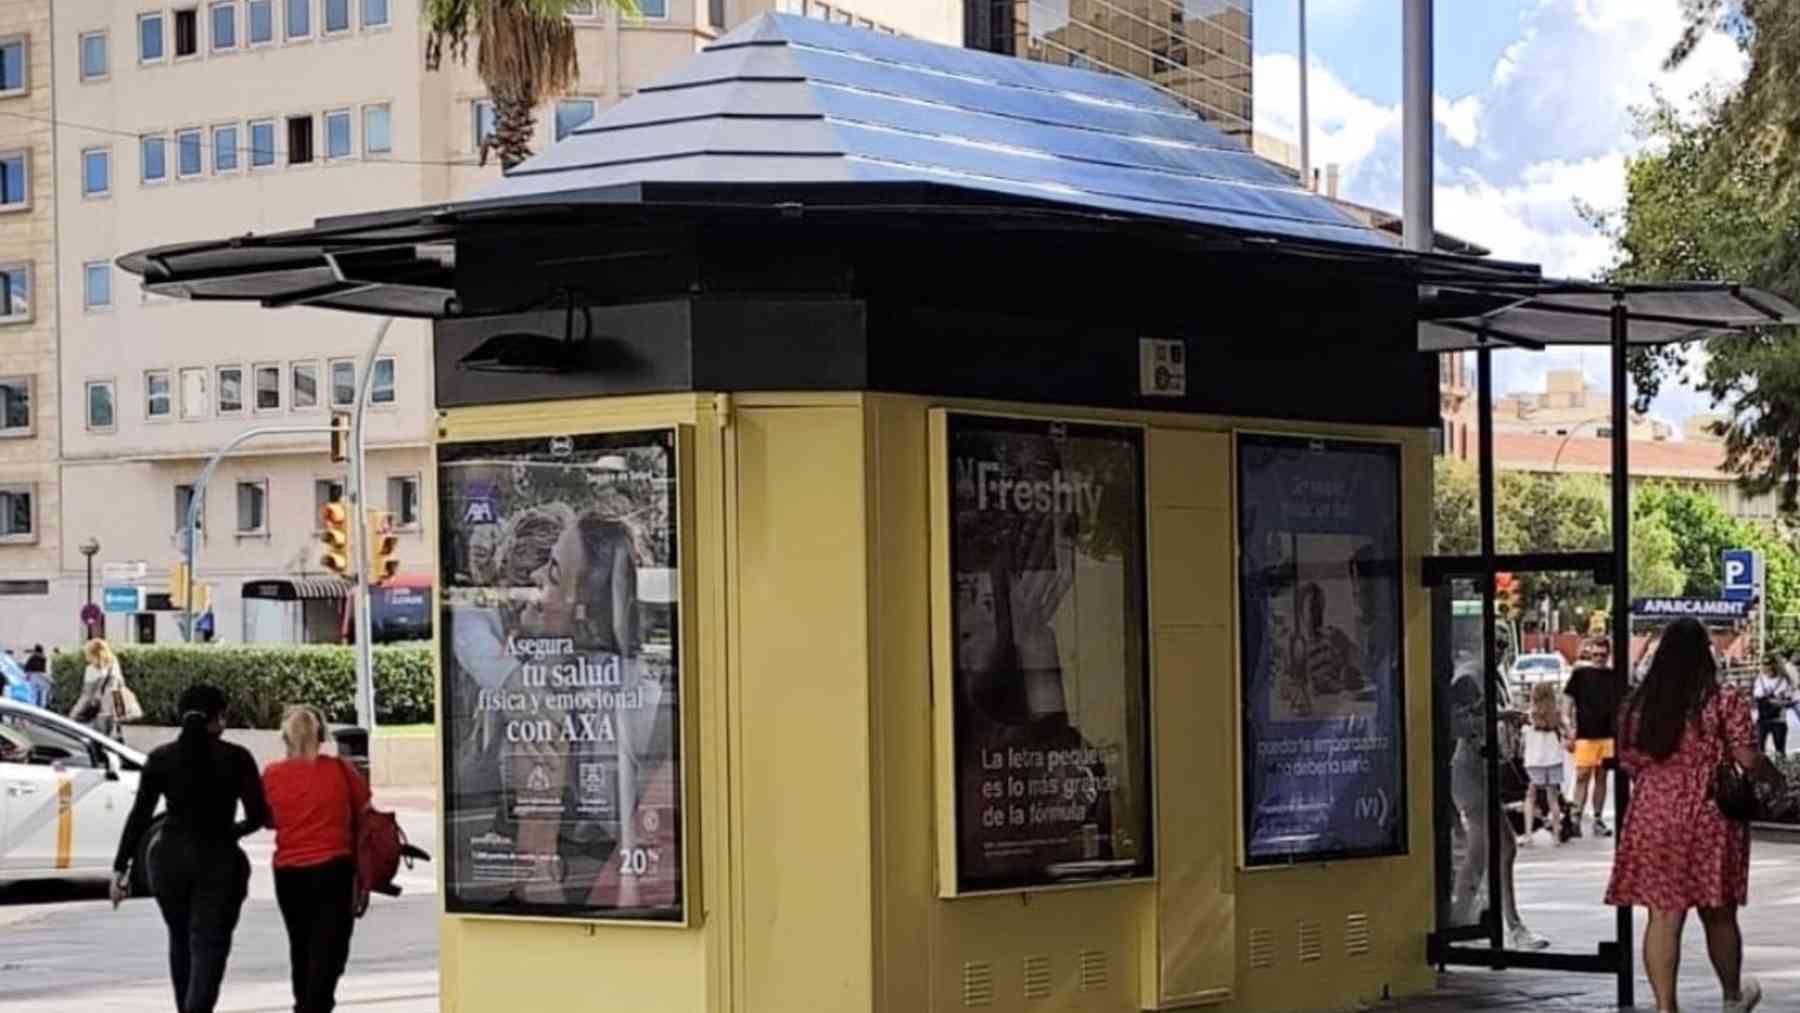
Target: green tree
525,54
1717,197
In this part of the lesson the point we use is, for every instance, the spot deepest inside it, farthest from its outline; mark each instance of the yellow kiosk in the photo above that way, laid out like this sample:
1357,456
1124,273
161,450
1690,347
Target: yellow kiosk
919,531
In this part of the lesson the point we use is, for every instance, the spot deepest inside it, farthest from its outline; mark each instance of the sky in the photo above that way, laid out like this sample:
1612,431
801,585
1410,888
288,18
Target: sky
1534,113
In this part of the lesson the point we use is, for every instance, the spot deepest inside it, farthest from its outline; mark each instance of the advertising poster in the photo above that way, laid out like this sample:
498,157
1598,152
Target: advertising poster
1051,672
561,700
1324,738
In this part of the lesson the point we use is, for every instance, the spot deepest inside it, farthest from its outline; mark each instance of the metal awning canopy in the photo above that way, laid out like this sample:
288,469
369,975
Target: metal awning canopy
1536,315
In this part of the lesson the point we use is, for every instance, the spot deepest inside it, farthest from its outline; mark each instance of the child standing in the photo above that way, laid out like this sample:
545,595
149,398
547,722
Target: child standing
1544,737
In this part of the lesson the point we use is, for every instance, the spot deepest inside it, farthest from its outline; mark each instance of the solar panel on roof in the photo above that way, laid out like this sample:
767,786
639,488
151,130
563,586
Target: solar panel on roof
789,99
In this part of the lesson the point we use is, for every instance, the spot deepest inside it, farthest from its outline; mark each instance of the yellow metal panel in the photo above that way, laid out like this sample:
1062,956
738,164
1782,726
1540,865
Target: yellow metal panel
1189,544
801,700
1189,468
516,965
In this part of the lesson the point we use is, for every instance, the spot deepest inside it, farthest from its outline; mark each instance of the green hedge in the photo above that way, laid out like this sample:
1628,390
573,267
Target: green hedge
259,681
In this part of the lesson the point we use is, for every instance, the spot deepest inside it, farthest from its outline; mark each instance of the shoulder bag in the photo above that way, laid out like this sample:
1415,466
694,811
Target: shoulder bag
1732,790
377,847
125,705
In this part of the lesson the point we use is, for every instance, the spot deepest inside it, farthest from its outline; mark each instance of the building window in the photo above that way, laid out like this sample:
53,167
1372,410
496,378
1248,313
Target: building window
381,386
190,154
93,56
184,502
15,293
572,113
326,490
225,148
231,390
343,383
15,181
224,26
337,16
378,137
150,38
653,8
187,32
483,129
337,134
300,137
262,143
96,172
16,513
268,388
15,405
158,399
403,501
259,22
299,18
15,77
715,13
305,382
375,13
96,285
100,414
583,9
253,508
193,394
155,159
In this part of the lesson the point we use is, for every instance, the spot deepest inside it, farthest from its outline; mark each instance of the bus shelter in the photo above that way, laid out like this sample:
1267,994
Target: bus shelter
920,530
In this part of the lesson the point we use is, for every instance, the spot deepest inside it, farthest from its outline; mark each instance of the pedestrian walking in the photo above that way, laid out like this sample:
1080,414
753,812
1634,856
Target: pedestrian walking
1678,851
101,705
314,802
37,672
197,872
1544,739
1468,790
1773,693
1594,693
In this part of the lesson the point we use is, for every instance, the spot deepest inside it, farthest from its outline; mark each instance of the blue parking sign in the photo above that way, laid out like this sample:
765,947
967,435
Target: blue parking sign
1740,574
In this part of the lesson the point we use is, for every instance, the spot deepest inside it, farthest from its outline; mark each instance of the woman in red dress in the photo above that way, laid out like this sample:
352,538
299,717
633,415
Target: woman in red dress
1676,850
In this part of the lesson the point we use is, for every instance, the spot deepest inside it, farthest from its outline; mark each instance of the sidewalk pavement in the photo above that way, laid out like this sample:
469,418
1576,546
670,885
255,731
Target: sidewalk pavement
1560,893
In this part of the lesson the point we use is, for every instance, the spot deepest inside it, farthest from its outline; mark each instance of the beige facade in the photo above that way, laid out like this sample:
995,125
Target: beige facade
259,115
1569,404
30,532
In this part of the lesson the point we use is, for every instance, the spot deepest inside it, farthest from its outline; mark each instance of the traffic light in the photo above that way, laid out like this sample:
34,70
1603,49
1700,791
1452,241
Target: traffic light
202,597
179,580
334,538
1506,594
383,547
340,437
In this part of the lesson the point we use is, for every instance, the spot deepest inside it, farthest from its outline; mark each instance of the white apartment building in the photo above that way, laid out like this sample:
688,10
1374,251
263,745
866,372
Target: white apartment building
200,118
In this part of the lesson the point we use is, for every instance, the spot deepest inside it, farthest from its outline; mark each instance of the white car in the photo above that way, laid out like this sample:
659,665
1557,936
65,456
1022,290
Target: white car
1531,669
65,791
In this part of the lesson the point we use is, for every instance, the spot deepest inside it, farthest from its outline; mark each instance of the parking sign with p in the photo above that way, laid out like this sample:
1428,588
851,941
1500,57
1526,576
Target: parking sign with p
1740,574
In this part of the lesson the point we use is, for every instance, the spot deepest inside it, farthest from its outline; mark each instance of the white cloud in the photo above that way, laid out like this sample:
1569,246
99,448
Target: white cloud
1460,119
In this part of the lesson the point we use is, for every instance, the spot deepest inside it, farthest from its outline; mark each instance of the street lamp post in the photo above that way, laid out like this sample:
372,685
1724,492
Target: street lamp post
1576,428
90,549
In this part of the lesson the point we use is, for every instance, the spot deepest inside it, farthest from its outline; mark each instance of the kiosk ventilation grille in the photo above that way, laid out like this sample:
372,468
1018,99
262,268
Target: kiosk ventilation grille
1037,977
1312,942
1262,949
1357,940
1095,974
978,983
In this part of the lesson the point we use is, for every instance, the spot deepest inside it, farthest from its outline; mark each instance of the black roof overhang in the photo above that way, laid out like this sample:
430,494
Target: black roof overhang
403,263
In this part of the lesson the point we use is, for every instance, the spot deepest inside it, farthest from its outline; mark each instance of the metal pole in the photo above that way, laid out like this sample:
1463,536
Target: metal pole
359,548
1306,179
192,521
1621,523
1416,111
1490,654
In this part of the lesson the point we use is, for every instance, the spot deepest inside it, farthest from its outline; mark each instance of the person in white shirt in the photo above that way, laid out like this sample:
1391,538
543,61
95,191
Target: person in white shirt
1544,737
1774,696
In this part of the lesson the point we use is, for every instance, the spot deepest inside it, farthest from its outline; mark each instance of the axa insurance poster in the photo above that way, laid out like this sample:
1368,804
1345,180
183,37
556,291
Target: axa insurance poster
561,696
1324,740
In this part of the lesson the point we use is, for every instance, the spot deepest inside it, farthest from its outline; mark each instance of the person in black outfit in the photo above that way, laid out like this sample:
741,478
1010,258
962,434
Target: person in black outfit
197,872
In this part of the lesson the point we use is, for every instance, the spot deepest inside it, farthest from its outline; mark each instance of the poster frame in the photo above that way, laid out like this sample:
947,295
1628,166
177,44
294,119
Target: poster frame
687,652
1243,814
943,653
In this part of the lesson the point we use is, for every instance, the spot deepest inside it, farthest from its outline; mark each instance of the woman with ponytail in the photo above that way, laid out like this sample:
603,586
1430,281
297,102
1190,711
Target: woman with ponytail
197,872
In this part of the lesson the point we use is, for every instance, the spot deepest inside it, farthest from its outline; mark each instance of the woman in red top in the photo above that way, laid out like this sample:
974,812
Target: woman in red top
1677,851
312,800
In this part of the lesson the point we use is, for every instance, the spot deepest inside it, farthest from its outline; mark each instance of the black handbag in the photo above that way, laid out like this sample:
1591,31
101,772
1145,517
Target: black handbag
1732,790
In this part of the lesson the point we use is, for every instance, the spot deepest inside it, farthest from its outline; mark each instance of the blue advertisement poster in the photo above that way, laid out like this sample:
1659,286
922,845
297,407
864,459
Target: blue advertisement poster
1324,731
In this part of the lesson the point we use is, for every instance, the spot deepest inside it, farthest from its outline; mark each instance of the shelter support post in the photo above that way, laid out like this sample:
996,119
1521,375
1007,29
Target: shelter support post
360,539
1490,649
1621,532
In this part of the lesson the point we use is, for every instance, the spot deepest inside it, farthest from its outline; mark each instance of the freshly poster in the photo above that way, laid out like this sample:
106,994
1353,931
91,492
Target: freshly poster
1324,739
1051,675
561,694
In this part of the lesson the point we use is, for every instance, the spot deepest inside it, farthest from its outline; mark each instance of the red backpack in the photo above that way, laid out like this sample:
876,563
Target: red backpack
379,847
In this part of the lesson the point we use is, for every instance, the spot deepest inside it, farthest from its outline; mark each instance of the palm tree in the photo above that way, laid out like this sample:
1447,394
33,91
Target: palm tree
525,53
